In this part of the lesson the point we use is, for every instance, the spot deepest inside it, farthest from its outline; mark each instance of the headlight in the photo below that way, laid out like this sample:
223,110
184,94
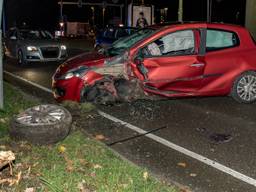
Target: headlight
32,48
77,72
63,47
68,75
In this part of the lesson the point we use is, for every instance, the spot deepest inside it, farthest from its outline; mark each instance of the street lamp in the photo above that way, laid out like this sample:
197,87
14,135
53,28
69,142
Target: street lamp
209,11
93,15
180,11
61,24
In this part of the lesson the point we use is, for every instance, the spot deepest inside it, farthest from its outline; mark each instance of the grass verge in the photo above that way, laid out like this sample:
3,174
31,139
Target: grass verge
78,163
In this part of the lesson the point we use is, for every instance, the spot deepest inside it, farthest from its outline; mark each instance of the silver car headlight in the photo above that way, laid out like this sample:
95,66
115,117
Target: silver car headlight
63,47
32,48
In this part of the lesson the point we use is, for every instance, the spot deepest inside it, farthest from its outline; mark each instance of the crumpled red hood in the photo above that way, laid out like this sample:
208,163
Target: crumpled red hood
90,59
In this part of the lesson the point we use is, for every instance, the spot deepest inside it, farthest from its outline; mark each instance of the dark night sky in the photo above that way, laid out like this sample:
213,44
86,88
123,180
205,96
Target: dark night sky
45,13
36,13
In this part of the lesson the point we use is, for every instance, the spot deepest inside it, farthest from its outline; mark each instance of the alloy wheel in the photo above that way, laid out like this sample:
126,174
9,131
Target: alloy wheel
42,114
246,88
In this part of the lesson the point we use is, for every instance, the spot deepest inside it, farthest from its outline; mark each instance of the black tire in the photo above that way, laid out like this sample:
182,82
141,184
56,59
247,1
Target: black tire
41,133
237,92
21,60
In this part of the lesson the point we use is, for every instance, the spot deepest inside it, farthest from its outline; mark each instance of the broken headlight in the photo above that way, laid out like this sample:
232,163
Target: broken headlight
68,75
77,72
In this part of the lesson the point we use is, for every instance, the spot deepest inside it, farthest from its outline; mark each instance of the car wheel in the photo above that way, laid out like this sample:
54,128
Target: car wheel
244,88
21,60
43,124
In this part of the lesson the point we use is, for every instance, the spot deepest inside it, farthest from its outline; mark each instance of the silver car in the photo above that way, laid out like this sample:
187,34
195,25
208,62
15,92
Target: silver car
34,46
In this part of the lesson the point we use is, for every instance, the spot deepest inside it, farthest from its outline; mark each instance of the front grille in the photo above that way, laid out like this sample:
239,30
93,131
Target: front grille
50,52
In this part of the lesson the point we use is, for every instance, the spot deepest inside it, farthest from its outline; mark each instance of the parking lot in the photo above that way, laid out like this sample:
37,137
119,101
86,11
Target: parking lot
205,144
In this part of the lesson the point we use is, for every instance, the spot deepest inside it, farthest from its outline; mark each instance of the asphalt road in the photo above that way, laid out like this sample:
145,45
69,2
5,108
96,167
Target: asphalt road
188,123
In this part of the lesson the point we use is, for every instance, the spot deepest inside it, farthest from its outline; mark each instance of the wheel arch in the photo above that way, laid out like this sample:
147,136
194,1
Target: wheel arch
237,76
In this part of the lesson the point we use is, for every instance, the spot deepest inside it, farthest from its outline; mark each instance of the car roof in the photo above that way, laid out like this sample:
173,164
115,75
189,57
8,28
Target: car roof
198,23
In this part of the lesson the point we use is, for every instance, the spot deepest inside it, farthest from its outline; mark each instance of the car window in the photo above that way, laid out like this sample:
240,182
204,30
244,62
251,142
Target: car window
177,43
218,40
125,43
35,34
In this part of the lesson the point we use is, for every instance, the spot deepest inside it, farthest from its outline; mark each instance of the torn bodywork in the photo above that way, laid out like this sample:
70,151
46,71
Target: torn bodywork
111,89
114,86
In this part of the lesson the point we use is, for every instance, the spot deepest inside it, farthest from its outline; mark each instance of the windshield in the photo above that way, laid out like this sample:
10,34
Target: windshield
35,34
125,43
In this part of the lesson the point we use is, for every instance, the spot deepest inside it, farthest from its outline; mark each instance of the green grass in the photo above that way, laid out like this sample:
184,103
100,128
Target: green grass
79,162
14,102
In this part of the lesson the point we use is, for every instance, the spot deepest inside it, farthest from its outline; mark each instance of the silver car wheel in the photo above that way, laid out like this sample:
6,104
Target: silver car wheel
42,114
246,88
43,124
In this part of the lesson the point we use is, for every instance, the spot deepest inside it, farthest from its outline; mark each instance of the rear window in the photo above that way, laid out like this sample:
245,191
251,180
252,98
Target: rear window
218,40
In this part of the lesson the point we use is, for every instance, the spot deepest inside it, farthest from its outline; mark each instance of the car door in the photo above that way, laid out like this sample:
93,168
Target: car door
174,63
222,50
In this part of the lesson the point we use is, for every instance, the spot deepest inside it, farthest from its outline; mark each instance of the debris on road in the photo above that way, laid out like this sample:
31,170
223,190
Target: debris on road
144,109
220,138
215,138
193,175
182,164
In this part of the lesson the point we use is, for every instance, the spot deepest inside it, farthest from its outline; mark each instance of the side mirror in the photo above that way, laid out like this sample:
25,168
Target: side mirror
13,38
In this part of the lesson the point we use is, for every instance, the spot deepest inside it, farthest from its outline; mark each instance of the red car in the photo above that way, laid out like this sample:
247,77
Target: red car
180,60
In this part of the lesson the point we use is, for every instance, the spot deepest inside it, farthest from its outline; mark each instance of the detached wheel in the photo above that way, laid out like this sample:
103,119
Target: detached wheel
21,59
43,124
244,88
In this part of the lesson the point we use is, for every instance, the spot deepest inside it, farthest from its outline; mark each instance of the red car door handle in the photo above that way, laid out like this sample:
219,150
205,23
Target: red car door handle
197,65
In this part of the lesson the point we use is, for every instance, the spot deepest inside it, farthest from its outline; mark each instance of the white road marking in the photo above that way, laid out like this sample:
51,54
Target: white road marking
184,151
162,141
29,82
